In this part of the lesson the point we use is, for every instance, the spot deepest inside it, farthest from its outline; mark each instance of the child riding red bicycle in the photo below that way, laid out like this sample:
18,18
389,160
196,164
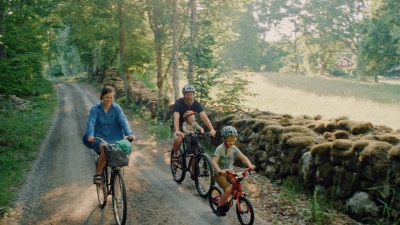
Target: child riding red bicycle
223,159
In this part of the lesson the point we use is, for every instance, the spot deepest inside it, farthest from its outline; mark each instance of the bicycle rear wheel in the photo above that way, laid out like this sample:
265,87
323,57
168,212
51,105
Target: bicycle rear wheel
245,211
214,197
119,197
203,174
179,169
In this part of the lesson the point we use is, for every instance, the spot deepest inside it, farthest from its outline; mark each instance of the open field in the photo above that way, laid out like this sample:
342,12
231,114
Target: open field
331,98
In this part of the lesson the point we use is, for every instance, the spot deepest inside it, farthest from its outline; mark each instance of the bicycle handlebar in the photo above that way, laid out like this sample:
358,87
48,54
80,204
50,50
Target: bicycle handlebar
198,134
125,138
129,139
236,176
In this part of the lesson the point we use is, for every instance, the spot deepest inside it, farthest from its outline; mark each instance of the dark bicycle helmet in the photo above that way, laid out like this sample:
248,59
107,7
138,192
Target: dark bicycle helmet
187,114
229,131
188,88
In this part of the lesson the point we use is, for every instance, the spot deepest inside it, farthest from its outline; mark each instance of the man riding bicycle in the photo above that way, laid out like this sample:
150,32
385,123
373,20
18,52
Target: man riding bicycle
181,105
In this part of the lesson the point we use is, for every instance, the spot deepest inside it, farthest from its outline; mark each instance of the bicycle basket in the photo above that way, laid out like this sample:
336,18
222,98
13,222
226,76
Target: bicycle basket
114,156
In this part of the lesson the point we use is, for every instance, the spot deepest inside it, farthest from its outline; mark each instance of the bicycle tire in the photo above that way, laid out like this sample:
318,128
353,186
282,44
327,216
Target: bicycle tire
203,177
214,197
102,190
246,216
119,197
179,171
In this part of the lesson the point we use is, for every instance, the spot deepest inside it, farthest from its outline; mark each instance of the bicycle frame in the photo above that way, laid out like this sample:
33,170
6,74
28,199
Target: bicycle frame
113,184
197,147
237,189
194,157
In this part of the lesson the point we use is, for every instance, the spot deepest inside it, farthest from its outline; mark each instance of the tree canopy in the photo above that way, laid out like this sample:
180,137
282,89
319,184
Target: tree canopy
165,41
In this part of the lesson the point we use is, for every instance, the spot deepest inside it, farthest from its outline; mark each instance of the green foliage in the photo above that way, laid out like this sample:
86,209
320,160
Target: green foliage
232,91
272,60
159,130
387,197
56,70
147,79
203,84
338,72
244,53
378,54
21,133
21,53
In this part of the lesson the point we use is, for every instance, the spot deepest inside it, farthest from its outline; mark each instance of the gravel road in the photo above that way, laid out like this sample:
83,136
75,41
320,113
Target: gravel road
59,187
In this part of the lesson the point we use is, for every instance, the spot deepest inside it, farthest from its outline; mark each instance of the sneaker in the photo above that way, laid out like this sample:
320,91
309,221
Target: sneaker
220,211
225,207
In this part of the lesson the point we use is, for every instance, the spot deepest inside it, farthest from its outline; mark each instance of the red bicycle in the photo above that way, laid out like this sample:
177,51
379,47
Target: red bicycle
244,208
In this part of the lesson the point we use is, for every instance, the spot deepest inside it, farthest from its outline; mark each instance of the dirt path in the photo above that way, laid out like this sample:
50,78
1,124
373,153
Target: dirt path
59,188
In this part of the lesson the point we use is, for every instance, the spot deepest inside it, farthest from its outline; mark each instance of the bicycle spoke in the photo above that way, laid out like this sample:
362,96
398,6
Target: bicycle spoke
102,191
245,211
178,167
214,198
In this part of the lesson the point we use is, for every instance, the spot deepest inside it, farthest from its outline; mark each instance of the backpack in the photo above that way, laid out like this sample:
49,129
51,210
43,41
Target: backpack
115,157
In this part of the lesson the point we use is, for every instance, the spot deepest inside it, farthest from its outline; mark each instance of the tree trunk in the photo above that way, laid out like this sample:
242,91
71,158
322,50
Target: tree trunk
193,34
175,74
160,81
122,48
3,54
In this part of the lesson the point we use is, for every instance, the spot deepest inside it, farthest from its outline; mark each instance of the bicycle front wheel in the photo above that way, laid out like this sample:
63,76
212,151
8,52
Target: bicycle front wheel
178,166
203,174
245,211
119,198
214,197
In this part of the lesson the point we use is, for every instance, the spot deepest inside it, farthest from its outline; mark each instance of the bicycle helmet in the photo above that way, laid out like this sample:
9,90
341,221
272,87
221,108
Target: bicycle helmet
187,114
229,131
188,88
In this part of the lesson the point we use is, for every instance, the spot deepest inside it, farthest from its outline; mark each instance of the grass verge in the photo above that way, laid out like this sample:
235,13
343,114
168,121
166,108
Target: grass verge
22,131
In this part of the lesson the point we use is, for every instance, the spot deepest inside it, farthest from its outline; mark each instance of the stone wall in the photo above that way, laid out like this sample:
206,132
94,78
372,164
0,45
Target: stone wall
142,95
356,163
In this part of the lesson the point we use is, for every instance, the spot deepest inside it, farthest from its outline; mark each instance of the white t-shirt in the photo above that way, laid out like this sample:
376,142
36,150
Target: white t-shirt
226,156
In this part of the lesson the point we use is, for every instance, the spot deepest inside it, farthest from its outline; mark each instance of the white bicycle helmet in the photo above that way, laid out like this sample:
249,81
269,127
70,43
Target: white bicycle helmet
229,131
188,88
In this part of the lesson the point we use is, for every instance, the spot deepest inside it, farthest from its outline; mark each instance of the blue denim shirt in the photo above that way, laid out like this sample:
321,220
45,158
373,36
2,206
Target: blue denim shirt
110,126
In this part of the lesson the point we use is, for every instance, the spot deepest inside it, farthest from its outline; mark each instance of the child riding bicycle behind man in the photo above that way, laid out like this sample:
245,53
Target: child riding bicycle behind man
190,126
223,159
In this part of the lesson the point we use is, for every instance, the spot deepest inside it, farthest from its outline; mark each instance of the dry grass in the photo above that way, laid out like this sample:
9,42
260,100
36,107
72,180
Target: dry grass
331,98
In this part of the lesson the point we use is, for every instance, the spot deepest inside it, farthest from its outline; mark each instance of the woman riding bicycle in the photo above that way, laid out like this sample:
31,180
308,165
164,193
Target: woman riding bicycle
107,121
223,159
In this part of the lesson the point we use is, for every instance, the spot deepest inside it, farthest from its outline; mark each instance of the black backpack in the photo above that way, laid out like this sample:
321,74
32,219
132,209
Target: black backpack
115,157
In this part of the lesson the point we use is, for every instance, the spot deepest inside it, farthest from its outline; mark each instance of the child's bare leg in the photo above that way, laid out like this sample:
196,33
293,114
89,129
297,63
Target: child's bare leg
225,196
